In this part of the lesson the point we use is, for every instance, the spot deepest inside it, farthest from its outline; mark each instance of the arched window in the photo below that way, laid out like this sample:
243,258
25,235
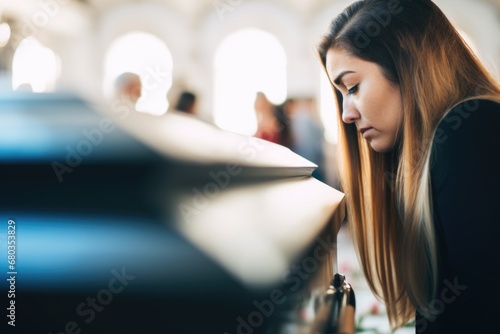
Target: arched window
247,61
35,66
147,56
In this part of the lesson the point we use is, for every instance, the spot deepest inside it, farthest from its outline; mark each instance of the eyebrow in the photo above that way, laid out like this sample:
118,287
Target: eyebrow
340,76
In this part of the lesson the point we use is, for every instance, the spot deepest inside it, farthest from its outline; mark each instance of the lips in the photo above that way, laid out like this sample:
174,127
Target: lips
363,130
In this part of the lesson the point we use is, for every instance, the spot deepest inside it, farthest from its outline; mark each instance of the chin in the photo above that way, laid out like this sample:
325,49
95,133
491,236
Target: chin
377,147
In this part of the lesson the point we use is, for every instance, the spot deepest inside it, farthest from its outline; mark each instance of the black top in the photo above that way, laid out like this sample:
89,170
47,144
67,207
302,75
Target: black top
465,176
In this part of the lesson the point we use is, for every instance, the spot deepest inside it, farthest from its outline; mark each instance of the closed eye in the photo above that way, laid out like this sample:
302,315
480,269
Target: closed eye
352,90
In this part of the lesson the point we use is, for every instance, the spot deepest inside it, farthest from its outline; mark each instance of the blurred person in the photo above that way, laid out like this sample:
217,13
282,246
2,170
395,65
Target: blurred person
281,114
419,146
187,103
128,87
306,132
25,87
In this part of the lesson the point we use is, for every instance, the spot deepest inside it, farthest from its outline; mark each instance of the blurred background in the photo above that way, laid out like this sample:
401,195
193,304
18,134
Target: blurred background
224,51
234,57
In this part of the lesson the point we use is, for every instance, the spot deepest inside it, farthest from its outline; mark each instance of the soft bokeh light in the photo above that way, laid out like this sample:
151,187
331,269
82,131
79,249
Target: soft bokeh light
150,58
35,66
247,61
4,34
328,109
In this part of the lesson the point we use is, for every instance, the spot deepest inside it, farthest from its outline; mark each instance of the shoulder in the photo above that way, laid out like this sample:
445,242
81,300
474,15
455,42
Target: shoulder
467,124
466,138
478,117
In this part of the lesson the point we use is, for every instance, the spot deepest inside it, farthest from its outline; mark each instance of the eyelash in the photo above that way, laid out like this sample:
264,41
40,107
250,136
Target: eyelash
352,90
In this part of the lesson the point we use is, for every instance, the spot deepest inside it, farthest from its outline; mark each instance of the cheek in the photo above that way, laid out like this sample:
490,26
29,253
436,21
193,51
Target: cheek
396,107
388,106
373,105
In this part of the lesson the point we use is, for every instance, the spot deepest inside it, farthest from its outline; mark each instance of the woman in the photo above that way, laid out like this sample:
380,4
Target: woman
418,163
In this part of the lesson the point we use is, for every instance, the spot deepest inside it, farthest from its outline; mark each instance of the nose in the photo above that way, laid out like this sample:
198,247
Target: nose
349,112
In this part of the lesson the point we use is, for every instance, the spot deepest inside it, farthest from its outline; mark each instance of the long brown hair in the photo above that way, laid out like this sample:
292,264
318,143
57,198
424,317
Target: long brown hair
388,194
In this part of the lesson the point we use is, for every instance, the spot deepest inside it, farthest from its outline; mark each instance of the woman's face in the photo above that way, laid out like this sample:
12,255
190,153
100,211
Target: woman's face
370,100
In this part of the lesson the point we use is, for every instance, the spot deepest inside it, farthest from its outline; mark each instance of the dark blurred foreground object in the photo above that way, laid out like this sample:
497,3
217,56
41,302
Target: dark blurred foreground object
336,309
128,223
